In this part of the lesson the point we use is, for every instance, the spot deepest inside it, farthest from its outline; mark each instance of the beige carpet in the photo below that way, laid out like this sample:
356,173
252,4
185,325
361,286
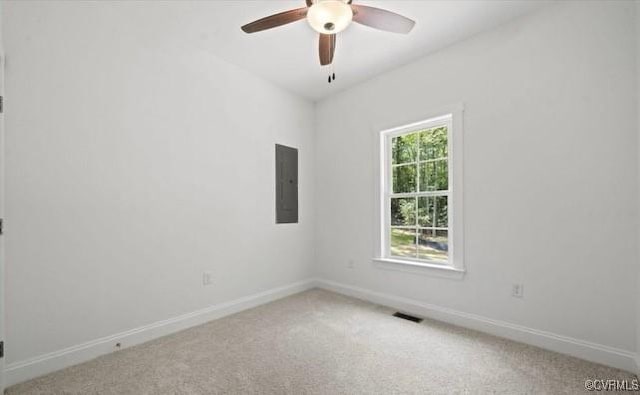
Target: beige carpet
318,342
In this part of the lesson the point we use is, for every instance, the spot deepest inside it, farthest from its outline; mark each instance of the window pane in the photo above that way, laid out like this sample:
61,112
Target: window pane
433,211
426,211
433,245
404,178
434,176
403,148
441,212
427,176
433,143
442,175
403,211
403,242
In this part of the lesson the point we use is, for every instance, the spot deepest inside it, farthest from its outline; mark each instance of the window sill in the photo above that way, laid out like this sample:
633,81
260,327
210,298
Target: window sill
419,268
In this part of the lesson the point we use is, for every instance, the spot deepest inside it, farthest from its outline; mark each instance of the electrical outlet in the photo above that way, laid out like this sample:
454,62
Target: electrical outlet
207,278
517,290
350,264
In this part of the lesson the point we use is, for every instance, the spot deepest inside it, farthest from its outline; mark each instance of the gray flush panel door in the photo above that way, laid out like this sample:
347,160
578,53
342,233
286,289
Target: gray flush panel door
286,184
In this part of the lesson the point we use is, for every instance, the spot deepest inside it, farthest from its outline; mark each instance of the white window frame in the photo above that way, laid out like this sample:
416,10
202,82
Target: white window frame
452,119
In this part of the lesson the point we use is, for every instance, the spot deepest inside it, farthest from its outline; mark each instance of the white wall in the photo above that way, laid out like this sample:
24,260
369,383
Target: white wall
134,163
550,172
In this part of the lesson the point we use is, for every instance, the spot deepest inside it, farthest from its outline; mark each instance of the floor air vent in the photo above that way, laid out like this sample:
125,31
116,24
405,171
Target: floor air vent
407,317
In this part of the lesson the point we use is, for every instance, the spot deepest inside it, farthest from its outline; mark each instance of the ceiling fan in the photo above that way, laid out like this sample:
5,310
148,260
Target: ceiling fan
329,17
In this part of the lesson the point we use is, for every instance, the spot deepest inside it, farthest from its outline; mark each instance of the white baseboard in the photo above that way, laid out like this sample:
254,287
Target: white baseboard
20,371
605,355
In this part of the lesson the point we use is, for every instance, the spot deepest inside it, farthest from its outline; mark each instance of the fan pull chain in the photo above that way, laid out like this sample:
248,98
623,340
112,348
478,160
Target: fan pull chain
332,75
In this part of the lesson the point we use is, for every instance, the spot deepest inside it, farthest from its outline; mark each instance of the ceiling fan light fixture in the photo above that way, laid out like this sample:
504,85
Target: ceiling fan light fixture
329,16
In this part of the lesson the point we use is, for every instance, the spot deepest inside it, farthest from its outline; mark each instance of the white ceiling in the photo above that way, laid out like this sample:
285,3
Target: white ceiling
288,55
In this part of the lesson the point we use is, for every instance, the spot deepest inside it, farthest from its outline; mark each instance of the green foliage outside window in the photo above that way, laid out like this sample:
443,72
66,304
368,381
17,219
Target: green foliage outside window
420,164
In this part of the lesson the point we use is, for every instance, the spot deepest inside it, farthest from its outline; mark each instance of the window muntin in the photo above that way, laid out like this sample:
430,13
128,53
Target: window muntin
417,193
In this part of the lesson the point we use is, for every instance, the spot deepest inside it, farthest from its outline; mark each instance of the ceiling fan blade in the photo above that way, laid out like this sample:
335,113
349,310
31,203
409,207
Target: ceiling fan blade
382,19
275,20
327,48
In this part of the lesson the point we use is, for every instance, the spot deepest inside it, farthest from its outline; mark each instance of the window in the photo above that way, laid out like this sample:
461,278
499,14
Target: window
417,194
